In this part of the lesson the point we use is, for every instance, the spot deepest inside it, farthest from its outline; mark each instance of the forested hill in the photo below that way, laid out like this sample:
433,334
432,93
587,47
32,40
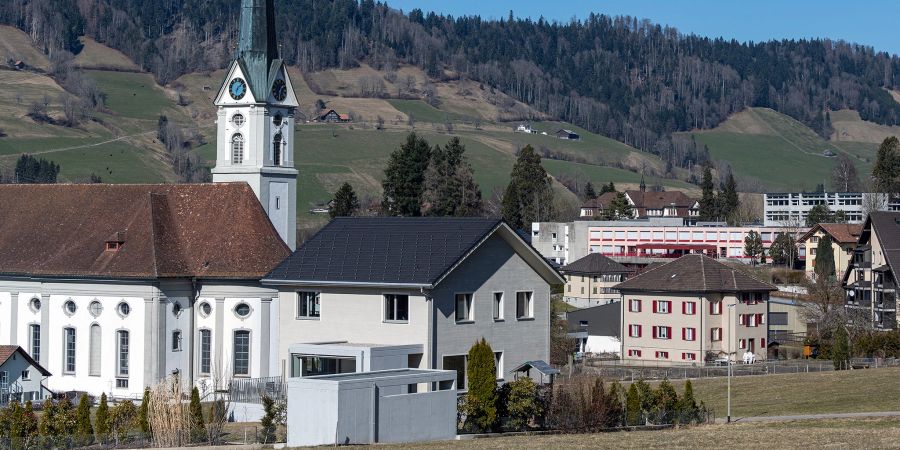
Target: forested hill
628,79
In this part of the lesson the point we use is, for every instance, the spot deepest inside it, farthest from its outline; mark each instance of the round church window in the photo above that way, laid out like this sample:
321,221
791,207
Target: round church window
124,309
69,307
95,308
242,310
36,304
205,309
238,120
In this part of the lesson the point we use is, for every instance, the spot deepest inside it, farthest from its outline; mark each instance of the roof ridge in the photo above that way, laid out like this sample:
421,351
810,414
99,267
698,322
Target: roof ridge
703,273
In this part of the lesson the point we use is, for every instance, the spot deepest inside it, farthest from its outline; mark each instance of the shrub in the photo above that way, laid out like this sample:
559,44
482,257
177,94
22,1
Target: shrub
102,419
481,400
840,350
84,431
522,403
633,406
665,403
582,404
198,428
122,418
144,418
688,411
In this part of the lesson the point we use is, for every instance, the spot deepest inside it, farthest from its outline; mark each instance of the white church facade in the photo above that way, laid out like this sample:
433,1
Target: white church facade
114,287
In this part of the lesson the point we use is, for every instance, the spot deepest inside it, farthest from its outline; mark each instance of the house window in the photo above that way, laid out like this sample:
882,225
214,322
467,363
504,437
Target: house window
176,341
95,308
689,334
715,334
307,305
123,353
457,363
715,308
26,374
636,353
498,306
662,306
760,319
742,343
396,308
242,353
634,331
237,149
661,332
121,383
762,343
524,306
36,342
276,150
498,363
634,305
689,308
95,355
662,355
69,349
689,356
205,351
742,319
463,307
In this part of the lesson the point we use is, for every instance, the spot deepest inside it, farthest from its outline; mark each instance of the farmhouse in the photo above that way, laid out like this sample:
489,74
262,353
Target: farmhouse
567,134
428,287
648,204
693,309
331,116
871,277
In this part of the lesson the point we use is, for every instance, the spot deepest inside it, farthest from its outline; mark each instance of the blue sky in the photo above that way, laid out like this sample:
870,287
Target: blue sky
872,23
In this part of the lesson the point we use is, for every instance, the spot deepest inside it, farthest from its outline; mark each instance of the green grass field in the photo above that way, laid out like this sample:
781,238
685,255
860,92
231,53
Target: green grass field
803,393
844,433
115,162
135,96
423,112
598,175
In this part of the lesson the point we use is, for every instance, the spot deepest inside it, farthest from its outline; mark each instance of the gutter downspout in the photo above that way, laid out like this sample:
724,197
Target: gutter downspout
432,329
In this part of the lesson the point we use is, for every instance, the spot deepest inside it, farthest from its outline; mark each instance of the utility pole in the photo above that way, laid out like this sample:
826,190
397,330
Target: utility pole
732,333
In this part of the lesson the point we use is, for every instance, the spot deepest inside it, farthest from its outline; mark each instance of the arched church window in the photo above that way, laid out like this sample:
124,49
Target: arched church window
276,149
237,149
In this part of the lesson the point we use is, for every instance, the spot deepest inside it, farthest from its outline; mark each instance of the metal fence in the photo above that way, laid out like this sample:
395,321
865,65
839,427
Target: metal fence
615,370
252,390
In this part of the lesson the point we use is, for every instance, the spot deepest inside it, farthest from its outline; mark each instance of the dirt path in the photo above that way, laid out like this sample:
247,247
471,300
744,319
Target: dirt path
812,417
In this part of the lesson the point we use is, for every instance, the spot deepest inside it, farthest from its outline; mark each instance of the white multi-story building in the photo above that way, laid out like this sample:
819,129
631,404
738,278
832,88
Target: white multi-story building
793,207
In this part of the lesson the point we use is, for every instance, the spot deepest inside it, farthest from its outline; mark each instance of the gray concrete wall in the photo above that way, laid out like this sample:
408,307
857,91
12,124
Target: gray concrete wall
312,415
432,413
495,267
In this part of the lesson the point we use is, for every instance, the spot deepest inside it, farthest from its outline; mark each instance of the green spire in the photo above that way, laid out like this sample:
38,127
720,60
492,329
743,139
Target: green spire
257,46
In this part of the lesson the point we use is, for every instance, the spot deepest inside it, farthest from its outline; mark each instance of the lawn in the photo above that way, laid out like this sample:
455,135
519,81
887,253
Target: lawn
134,95
599,175
115,162
423,112
844,433
804,393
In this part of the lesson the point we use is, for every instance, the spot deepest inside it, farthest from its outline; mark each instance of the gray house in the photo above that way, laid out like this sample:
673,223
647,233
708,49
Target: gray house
422,290
21,377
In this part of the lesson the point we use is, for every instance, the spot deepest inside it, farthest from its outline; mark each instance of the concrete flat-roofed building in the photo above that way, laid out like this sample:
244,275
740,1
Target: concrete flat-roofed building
871,277
691,310
430,287
115,287
590,281
843,241
786,208
597,329
364,408
21,377
653,238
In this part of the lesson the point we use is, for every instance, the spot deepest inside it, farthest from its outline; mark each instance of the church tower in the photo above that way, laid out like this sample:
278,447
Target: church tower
256,106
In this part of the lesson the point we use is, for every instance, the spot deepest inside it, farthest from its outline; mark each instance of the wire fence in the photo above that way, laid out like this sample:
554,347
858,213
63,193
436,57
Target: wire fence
615,370
248,435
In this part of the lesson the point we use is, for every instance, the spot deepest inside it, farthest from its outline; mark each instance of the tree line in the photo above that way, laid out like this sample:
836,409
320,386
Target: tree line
625,78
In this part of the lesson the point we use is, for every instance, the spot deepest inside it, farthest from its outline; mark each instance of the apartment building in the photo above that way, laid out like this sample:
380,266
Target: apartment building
793,207
870,280
590,281
647,204
843,242
692,310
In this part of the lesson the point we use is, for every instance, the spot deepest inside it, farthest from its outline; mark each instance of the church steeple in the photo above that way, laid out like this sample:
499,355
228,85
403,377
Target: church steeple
257,45
643,186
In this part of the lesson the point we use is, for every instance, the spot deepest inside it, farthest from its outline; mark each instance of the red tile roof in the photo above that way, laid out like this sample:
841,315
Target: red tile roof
843,233
647,200
166,231
694,274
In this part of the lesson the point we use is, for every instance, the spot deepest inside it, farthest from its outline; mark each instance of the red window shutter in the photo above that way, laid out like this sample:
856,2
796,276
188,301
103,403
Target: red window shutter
684,308
762,343
759,319
639,331
655,307
669,332
684,334
638,306
743,343
654,333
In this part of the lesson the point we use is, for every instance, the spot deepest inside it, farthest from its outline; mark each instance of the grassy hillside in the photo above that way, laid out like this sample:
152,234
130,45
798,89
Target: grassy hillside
771,149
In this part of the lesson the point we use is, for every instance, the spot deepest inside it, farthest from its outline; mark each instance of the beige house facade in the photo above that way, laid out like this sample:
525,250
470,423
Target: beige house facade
870,281
590,281
692,310
843,241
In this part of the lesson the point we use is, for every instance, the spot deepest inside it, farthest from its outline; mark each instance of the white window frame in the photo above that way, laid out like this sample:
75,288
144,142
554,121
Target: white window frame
123,350
690,334
498,363
716,334
234,352
177,341
26,374
69,368
634,330
384,308
690,308
468,299
529,298
200,352
632,303
498,306
34,341
317,306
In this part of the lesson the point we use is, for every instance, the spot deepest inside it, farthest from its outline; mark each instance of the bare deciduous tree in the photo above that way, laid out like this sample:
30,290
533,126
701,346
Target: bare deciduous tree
167,413
844,177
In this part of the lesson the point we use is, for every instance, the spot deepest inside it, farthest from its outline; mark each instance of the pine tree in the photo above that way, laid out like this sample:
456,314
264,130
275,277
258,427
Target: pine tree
404,178
687,406
481,400
48,417
666,402
29,421
730,202
198,427
840,349
753,246
102,419
83,428
529,195
614,405
708,202
819,214
607,188
269,423
589,193
345,203
825,258
633,406
450,187
143,417
887,166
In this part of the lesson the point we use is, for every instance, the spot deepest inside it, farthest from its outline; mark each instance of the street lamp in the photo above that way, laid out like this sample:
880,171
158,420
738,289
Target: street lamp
731,331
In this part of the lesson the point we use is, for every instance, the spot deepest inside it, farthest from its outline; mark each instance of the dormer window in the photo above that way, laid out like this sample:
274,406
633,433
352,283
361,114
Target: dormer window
113,246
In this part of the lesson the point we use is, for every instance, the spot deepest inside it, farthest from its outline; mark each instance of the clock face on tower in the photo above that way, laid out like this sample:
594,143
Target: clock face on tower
237,88
279,90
